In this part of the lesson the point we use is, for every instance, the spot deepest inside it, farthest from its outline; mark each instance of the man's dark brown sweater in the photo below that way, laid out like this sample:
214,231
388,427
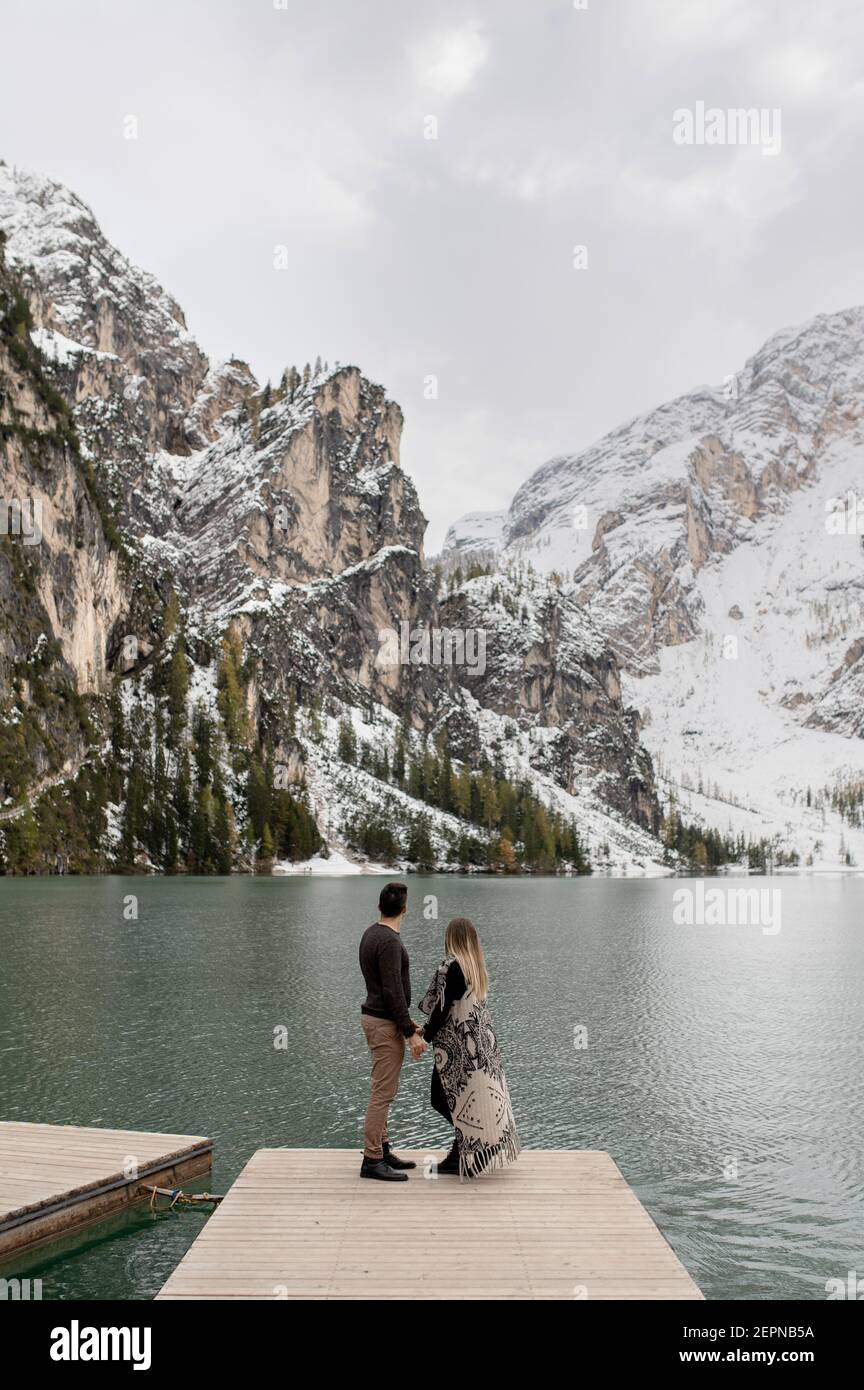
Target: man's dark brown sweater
384,962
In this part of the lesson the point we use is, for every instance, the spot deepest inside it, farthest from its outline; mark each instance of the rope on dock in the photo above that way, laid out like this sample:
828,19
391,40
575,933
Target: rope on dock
179,1197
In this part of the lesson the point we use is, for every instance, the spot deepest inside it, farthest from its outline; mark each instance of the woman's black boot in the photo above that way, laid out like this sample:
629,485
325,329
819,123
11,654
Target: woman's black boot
450,1164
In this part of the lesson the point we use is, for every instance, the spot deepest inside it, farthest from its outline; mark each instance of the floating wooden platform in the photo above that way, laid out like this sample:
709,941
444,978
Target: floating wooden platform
56,1177
557,1224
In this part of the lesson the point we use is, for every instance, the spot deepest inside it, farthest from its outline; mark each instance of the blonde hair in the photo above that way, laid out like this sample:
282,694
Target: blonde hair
461,940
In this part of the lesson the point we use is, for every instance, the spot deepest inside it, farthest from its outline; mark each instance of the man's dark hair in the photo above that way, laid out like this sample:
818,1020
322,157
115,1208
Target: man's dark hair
392,899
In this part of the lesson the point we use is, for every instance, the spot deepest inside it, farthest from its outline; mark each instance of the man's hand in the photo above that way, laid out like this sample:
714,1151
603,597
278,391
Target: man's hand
418,1045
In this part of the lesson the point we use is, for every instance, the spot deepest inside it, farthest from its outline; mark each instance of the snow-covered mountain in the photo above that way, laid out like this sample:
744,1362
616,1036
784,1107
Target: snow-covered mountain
476,533
279,515
716,544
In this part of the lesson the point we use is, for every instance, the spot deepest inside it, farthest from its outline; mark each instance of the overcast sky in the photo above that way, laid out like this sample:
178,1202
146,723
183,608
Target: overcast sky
305,126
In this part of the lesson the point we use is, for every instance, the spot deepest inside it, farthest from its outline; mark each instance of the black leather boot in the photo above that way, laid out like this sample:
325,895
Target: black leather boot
450,1164
394,1160
377,1168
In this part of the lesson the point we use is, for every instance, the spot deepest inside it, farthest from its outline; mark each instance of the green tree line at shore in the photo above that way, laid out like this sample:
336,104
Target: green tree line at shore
196,786
707,850
506,829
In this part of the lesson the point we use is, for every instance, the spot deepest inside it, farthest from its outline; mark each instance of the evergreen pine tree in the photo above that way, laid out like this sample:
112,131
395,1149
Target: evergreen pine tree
490,799
202,837
171,620
347,741
445,782
231,694
420,850
462,794
224,837
203,739
182,800
257,797
178,689
264,860
399,760
27,859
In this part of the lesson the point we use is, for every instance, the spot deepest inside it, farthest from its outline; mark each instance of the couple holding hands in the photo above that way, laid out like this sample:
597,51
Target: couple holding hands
469,1088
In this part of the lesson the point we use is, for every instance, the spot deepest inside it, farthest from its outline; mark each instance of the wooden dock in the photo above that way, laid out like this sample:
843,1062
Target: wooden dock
56,1177
557,1224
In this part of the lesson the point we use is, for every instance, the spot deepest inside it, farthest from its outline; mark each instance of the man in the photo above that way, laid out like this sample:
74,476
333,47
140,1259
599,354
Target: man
388,1026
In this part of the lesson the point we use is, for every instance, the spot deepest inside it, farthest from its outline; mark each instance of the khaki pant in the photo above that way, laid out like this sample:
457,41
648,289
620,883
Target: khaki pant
387,1046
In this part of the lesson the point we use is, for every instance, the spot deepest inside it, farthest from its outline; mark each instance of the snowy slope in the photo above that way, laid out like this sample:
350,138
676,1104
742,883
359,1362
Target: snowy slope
700,540
733,709
476,532
341,793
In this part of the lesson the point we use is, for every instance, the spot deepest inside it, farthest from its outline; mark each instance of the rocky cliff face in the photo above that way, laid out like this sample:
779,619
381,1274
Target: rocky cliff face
715,544
62,592
282,515
84,293
547,667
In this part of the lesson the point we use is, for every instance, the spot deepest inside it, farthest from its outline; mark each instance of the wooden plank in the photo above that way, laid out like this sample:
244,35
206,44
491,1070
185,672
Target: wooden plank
301,1224
54,1178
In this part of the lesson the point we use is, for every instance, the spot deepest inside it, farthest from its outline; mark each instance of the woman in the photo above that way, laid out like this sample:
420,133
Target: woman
468,1084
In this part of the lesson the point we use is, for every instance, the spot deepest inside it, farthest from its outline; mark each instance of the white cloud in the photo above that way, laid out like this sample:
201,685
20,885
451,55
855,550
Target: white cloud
798,71
720,207
539,179
446,62
323,204
305,128
702,23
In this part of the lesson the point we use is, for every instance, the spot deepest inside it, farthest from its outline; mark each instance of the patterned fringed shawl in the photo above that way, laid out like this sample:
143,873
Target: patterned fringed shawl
469,1065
